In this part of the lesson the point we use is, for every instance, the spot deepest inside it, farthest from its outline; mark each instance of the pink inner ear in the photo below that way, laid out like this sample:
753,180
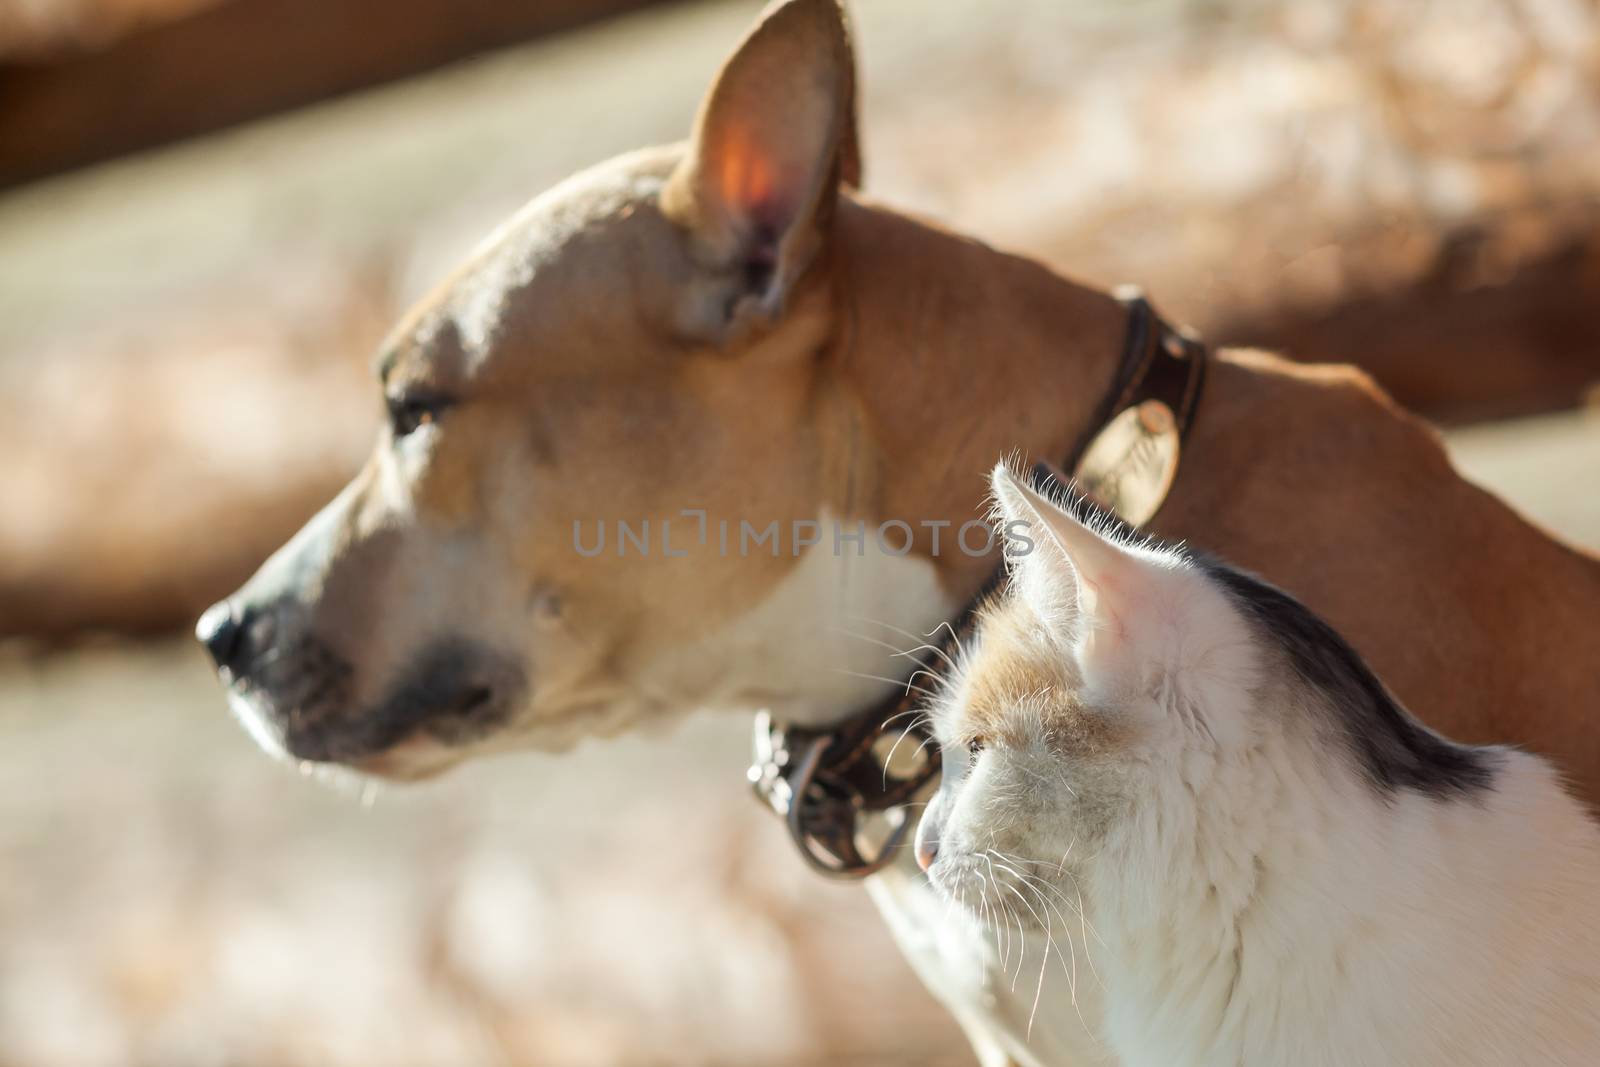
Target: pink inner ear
745,179
1107,594
759,188
1106,646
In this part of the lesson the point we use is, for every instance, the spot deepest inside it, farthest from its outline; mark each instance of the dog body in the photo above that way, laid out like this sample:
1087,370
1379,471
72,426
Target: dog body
692,340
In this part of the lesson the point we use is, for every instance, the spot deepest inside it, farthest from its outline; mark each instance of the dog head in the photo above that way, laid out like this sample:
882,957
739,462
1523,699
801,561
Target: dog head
592,424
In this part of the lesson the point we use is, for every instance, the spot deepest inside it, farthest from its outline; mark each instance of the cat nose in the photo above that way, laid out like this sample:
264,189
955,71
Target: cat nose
927,852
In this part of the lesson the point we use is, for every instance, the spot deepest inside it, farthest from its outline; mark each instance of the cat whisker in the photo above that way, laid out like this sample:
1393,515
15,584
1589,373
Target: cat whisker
1022,939
992,919
909,687
1040,887
1045,904
896,746
1038,990
1040,920
902,714
908,634
994,880
935,649
931,677
1070,971
1076,907
911,652
1088,928
989,909
894,649
955,638
1021,935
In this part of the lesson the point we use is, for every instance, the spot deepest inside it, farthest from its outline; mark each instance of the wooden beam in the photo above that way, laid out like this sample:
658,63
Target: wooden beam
241,60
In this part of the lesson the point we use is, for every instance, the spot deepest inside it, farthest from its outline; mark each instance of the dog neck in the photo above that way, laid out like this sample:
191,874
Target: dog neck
937,334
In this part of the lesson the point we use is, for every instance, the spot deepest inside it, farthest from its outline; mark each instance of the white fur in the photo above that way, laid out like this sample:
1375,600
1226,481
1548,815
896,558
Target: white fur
1248,897
1280,916
812,646
990,993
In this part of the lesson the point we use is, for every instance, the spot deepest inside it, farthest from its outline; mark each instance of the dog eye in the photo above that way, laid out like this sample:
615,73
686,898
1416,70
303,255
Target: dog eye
409,413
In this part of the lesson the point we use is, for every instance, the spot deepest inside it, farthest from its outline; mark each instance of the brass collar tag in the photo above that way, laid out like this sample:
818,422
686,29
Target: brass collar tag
1132,463
1129,465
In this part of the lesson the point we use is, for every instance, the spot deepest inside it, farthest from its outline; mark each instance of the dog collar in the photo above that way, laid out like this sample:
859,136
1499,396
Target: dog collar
846,792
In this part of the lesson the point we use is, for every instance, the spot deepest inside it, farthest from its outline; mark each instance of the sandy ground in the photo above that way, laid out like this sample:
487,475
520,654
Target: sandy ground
174,898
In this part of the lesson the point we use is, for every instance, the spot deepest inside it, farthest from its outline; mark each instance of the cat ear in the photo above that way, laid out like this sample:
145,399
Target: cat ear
774,140
1085,587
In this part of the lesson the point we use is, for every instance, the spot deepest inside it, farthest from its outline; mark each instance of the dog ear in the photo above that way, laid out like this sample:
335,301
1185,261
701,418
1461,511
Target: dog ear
774,139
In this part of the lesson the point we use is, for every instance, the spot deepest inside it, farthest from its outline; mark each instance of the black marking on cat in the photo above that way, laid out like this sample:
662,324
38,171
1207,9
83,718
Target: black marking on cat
1394,749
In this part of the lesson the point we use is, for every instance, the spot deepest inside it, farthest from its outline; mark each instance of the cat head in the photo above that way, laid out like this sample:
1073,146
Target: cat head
1121,692
1108,667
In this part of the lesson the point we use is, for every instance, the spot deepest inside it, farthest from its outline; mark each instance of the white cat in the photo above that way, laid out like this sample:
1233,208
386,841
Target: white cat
1197,795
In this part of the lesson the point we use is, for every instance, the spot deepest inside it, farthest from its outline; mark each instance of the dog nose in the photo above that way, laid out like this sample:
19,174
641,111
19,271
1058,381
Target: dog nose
927,852
221,632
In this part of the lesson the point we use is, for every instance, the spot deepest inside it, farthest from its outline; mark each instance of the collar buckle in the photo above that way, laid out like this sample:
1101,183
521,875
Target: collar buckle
844,794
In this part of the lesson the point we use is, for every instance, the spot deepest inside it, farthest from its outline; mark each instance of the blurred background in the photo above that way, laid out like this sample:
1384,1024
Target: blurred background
210,210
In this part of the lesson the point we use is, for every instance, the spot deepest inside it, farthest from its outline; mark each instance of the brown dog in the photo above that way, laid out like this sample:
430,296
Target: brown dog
720,340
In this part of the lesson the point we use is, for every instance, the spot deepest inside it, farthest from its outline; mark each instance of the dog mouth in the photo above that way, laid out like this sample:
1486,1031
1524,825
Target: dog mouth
453,694
417,759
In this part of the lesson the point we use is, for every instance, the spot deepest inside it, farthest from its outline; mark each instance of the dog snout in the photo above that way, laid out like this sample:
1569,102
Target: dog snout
235,632
222,633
